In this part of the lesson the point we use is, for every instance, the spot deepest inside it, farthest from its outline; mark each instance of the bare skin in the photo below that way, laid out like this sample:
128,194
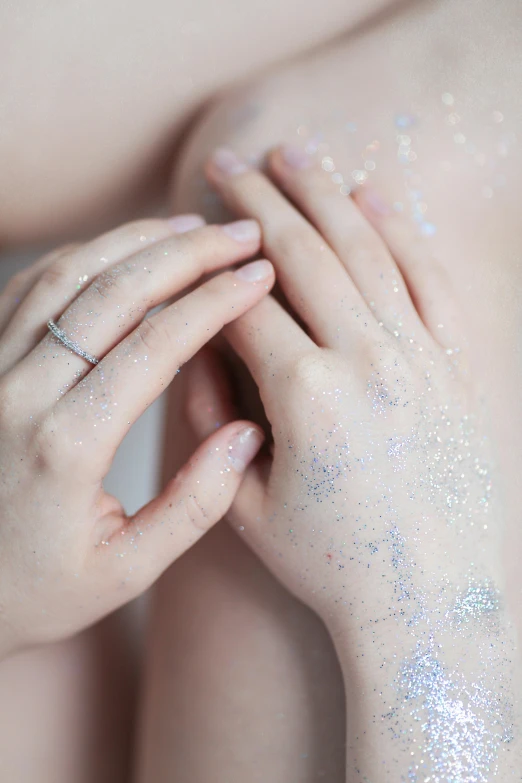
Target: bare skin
64,685
92,174
282,106
94,98
407,67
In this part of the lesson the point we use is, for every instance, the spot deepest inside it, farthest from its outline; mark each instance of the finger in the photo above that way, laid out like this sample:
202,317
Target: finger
20,284
208,403
269,342
197,498
60,282
428,282
119,299
359,247
313,279
117,391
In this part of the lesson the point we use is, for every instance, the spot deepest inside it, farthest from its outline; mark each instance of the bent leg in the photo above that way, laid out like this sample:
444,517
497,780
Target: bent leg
93,97
241,680
66,710
322,103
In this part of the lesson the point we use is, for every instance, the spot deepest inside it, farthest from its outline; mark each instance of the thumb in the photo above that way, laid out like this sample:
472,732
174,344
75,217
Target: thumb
197,498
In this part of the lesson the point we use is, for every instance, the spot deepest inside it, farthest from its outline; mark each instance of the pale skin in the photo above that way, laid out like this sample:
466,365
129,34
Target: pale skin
412,59
113,87
382,330
286,112
94,173
373,369
70,554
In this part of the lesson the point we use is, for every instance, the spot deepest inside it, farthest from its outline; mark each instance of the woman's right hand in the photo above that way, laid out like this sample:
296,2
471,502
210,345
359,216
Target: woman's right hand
68,553
379,507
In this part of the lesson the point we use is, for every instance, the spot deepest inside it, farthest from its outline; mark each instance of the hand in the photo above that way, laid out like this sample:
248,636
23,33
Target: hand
68,553
378,508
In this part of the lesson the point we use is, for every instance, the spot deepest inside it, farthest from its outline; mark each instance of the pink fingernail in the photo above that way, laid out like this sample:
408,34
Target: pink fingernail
243,448
228,162
243,230
376,203
254,272
296,158
183,223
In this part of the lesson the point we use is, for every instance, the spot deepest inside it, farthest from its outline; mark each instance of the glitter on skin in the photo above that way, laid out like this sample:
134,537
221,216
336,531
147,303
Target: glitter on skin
449,699
458,719
480,602
463,709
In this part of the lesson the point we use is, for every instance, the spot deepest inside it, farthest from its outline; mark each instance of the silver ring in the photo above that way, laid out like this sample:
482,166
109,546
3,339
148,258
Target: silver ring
70,344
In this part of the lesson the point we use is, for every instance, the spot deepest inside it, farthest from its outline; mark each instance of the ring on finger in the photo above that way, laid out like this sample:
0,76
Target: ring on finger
70,344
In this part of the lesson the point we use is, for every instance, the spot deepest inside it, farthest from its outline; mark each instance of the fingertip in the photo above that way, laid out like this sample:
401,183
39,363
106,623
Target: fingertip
290,159
181,224
244,231
372,203
223,163
261,271
243,446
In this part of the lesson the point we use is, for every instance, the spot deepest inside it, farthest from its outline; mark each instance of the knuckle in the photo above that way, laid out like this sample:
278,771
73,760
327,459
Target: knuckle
114,280
17,283
308,372
52,268
54,447
195,515
387,360
153,335
53,255
56,274
381,354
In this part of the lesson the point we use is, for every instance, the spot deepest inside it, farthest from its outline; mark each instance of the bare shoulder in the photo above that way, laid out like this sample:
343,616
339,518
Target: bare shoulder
93,96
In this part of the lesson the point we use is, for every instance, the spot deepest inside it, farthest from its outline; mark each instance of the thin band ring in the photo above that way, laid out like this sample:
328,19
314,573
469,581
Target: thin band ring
70,344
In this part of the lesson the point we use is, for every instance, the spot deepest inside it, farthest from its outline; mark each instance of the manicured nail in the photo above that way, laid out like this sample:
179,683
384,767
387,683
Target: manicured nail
243,448
254,272
228,162
183,223
243,230
376,203
296,158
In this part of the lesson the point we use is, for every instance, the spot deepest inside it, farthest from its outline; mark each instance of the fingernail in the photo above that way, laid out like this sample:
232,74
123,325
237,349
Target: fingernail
296,158
243,448
228,162
183,223
254,272
376,203
243,230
